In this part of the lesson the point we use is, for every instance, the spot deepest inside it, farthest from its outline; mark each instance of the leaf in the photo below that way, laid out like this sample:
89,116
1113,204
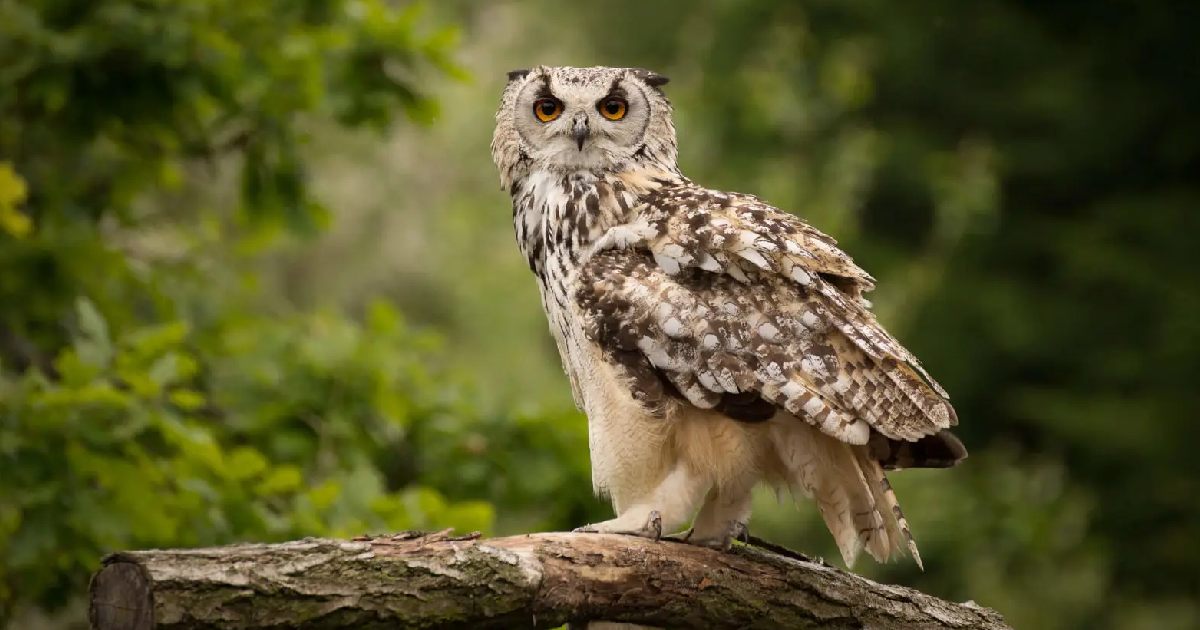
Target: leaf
152,341
187,399
165,370
12,194
93,345
281,479
245,462
73,371
323,495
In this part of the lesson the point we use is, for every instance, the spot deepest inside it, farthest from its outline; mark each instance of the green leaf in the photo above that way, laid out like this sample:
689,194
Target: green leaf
187,399
12,194
165,370
245,463
151,341
281,480
323,495
93,345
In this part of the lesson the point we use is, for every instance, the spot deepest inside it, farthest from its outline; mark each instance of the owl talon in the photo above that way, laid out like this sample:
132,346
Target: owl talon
654,524
740,532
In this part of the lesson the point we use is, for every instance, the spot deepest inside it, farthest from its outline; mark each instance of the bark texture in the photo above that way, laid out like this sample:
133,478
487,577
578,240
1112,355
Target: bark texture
537,580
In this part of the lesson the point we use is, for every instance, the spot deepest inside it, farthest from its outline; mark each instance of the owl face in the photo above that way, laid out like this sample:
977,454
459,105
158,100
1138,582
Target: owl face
585,118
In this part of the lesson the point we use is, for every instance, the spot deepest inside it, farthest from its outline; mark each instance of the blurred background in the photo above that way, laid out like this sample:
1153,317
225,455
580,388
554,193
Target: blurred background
258,280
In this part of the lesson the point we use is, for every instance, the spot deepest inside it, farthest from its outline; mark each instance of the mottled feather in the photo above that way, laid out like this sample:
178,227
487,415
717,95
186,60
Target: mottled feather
728,295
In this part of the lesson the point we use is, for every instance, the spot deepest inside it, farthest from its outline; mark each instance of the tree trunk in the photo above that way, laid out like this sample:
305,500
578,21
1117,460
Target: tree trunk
538,580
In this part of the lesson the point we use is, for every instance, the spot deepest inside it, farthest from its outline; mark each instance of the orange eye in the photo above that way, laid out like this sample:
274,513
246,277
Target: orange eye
547,109
612,108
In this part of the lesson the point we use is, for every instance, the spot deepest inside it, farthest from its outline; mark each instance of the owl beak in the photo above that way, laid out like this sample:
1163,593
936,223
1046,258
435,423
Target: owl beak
580,132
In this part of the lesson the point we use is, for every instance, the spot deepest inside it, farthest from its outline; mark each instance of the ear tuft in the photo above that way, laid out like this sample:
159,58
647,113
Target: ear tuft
513,75
653,79
657,80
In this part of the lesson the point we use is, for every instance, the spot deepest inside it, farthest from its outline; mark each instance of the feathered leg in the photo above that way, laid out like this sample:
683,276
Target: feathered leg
723,518
667,506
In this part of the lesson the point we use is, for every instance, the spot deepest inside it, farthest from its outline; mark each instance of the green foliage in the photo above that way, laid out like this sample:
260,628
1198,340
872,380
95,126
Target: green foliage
142,403
131,99
131,445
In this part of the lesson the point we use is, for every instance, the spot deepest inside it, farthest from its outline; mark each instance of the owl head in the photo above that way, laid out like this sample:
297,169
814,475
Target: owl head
575,119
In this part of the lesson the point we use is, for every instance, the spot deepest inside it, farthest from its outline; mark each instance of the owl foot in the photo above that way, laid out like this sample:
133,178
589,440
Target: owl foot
651,528
719,540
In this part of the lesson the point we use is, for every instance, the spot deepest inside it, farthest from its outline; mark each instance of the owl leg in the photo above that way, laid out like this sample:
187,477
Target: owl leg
667,506
723,519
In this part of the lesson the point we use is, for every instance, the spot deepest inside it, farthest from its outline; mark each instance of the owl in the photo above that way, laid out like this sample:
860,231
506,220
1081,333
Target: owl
713,341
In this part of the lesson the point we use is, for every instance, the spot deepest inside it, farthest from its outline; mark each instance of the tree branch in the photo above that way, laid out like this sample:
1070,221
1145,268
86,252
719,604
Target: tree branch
536,580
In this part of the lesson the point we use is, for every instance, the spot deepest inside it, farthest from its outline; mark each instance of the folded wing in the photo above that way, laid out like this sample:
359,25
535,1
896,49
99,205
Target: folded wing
733,305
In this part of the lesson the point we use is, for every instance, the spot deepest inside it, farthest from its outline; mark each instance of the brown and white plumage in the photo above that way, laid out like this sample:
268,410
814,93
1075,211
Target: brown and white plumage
713,341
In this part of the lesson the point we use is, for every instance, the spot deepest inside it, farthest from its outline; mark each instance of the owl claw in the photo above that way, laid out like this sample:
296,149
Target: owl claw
652,528
741,532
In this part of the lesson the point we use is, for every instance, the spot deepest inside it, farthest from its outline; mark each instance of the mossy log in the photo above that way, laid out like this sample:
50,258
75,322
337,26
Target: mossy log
416,580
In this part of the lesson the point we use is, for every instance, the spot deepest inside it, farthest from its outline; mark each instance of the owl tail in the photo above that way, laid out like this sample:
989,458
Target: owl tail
889,507
850,490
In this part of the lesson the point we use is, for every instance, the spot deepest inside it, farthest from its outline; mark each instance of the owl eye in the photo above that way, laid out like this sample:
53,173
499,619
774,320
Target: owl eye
547,109
612,108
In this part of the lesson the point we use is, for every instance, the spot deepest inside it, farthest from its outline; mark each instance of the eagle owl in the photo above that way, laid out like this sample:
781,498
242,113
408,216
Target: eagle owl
713,341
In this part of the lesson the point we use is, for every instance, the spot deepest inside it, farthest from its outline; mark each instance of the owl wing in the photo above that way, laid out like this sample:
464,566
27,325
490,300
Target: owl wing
733,305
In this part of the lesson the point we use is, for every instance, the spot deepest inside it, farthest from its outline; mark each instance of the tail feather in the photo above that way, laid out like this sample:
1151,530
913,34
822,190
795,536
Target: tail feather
939,450
834,474
902,523
885,497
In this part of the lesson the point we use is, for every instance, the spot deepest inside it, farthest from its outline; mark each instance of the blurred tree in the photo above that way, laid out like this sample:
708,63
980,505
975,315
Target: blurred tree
148,397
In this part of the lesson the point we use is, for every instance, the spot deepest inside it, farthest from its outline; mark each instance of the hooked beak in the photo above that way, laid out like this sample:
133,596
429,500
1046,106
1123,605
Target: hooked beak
580,132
